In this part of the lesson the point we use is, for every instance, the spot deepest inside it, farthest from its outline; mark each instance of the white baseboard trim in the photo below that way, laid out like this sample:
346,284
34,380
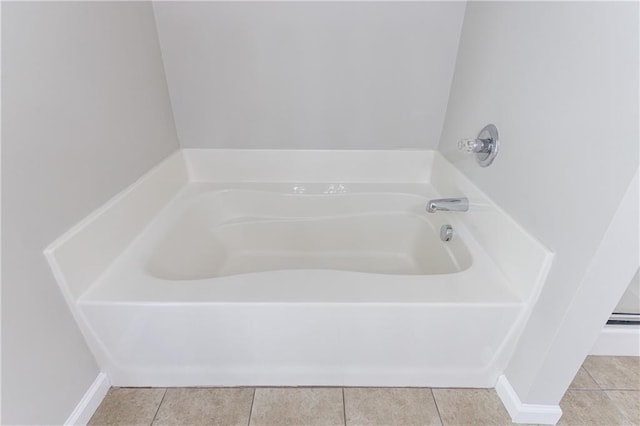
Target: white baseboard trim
618,340
90,401
525,413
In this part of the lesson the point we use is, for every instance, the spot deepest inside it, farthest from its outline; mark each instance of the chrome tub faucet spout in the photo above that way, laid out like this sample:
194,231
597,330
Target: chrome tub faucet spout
448,205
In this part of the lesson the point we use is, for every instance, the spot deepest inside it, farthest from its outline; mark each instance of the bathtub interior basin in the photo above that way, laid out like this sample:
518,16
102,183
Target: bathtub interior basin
386,242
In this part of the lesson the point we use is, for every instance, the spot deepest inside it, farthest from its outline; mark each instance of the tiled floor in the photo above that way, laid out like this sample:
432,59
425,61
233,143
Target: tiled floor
605,392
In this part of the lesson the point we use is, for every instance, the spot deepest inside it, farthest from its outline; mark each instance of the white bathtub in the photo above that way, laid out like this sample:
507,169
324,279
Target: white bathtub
293,283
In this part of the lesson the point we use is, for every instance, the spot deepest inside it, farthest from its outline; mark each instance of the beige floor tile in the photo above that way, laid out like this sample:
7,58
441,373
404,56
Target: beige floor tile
583,381
390,406
205,406
470,407
128,406
297,406
589,408
614,372
628,402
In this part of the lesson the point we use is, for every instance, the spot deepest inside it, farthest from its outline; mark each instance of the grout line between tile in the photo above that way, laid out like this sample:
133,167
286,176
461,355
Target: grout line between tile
622,389
158,409
344,409
253,398
589,374
437,408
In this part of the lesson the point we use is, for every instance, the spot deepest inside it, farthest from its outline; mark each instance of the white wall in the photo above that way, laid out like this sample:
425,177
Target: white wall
309,74
85,113
560,80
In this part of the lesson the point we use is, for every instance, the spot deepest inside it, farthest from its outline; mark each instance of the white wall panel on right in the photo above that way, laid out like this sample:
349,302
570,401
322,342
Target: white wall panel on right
309,75
560,80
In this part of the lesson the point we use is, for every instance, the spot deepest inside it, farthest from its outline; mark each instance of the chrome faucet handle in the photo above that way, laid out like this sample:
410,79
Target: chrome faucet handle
484,147
472,145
